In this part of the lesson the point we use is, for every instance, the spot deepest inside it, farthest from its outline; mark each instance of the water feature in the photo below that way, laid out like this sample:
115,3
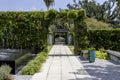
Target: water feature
9,56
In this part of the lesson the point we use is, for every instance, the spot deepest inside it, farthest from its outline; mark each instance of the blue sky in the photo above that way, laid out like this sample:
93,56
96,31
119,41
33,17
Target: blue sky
29,5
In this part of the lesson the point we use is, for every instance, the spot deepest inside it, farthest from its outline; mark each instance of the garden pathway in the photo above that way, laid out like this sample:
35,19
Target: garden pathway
62,65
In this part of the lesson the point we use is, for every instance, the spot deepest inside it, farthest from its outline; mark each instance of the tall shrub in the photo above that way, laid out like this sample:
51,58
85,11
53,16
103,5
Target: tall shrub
108,39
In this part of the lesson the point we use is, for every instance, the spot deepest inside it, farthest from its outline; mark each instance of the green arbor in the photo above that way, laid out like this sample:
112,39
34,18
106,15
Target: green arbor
80,30
30,29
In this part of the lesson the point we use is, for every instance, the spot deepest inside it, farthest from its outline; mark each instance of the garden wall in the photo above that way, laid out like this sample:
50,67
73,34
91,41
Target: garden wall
29,29
23,30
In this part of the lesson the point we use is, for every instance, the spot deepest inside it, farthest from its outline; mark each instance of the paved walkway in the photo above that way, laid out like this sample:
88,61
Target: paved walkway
102,69
62,65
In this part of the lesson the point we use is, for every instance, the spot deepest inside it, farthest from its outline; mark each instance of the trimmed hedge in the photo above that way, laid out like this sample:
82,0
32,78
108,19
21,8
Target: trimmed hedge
35,65
23,30
80,36
30,29
107,39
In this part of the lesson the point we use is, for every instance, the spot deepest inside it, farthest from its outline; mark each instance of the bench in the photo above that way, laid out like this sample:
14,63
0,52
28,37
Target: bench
114,55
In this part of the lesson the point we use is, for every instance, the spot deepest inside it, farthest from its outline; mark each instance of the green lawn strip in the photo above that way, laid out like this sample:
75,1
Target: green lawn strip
49,48
35,65
71,48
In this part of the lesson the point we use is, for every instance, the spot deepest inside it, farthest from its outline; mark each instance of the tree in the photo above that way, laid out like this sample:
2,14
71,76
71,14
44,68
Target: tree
108,11
94,24
48,3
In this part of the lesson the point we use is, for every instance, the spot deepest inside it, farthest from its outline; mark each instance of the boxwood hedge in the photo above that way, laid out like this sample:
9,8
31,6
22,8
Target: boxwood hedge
107,39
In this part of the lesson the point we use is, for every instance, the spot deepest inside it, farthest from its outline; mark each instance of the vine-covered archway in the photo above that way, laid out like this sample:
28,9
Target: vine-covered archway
80,29
30,29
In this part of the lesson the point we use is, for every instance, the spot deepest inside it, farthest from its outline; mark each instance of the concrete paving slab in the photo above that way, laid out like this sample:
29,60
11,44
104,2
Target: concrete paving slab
61,65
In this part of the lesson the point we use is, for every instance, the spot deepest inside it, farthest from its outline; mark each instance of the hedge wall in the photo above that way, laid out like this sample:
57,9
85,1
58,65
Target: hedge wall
29,29
23,29
80,36
108,39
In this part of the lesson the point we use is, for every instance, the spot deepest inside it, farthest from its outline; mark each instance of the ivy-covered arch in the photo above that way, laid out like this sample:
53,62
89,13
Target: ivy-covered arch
80,29
30,29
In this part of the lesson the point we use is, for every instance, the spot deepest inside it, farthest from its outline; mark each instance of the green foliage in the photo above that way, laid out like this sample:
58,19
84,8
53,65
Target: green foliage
77,14
35,65
49,47
71,48
32,67
62,14
102,55
107,39
118,1
80,30
99,54
73,14
94,24
108,11
30,29
81,36
22,59
5,73
51,14
23,29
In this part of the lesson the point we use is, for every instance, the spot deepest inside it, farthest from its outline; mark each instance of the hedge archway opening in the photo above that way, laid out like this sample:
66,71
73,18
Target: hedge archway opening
30,29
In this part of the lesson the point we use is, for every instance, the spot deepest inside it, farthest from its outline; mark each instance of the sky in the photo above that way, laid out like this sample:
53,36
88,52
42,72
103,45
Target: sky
28,5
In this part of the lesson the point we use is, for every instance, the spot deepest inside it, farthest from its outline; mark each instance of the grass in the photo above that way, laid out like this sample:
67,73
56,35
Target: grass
71,48
49,47
35,65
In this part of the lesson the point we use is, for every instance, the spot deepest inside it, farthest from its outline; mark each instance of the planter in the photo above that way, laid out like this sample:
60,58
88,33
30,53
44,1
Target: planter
92,56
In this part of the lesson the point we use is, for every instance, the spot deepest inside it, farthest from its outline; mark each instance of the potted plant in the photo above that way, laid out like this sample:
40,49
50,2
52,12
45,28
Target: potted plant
92,55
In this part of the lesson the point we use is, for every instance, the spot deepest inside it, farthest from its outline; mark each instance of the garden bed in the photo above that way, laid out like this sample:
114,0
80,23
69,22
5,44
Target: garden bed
35,65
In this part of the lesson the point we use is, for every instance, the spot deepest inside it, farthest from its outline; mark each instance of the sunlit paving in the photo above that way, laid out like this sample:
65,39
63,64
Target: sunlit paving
59,40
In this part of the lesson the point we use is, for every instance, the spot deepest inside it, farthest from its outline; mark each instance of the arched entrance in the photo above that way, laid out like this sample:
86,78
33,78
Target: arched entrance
80,28
60,36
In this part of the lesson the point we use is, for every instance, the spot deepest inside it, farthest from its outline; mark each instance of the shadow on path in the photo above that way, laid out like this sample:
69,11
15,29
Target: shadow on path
102,69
